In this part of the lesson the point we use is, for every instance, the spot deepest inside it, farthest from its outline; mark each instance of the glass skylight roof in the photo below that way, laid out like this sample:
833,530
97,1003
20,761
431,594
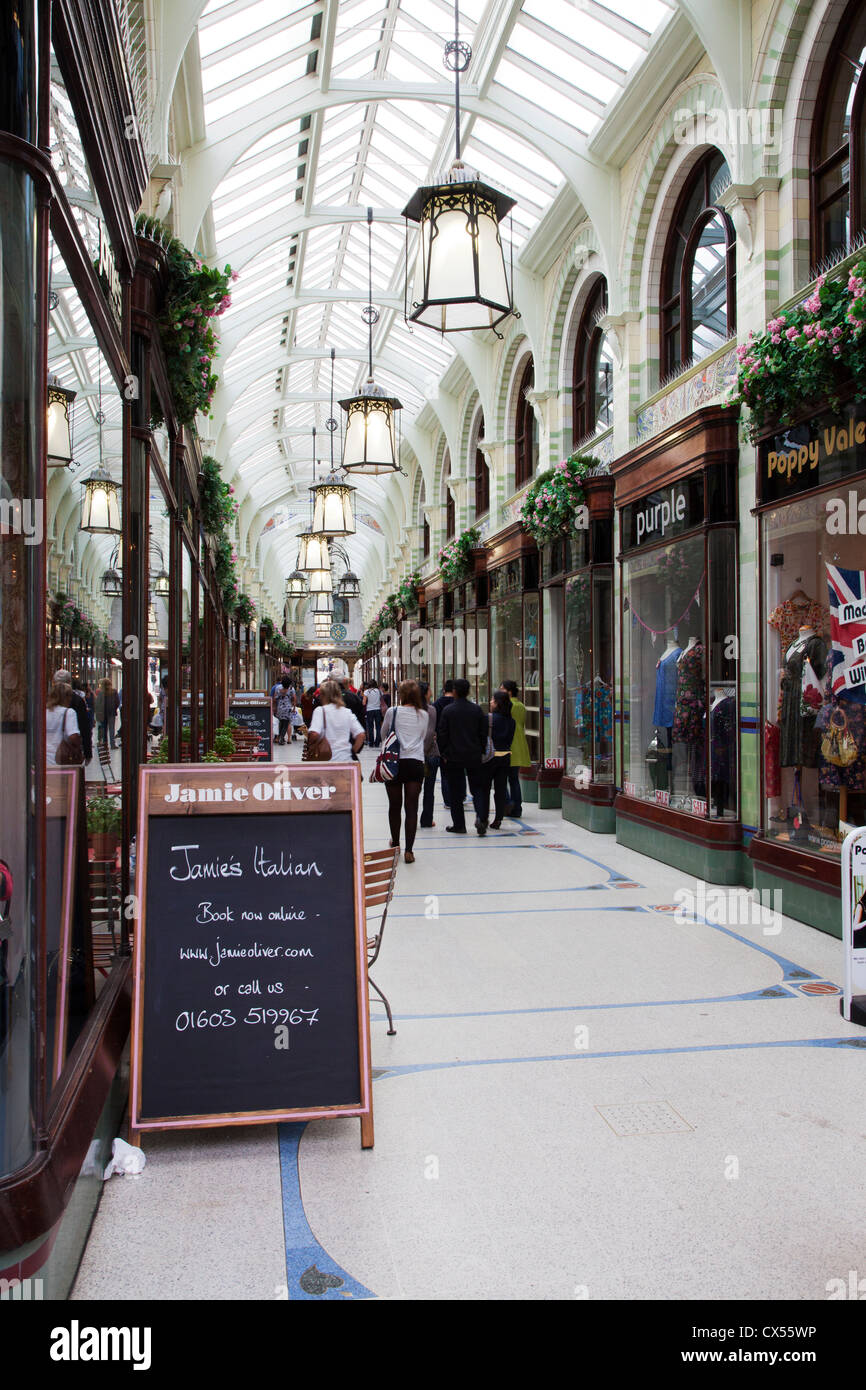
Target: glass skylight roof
279,214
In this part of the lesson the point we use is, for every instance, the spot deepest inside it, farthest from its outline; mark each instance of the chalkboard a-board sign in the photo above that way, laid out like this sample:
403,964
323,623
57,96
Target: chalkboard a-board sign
250,949
253,712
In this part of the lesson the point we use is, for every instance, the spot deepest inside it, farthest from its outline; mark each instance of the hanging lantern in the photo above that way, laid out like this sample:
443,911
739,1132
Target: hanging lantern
59,437
112,583
370,443
333,509
313,553
460,279
296,585
322,603
460,282
350,585
101,510
320,582
152,625
161,584
322,626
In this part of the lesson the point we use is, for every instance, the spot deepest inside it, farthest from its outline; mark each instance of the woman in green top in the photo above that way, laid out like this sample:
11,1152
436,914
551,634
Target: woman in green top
520,756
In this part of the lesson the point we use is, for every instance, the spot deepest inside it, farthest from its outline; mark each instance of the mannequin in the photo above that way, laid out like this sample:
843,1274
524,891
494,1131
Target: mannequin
665,702
691,696
799,744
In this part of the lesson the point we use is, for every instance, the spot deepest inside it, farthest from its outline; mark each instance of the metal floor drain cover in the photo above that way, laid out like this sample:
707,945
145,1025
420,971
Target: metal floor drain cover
644,1117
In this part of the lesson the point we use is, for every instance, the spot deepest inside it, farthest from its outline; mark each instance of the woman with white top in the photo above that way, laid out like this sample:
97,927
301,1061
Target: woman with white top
415,732
331,720
61,722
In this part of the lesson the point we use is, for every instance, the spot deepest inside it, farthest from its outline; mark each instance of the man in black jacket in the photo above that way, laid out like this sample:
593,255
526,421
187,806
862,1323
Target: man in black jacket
82,714
462,738
435,763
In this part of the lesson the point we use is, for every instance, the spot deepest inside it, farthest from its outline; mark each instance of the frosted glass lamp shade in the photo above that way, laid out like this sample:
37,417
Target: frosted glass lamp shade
314,552
460,282
59,436
333,511
101,510
296,585
322,604
350,585
320,582
370,441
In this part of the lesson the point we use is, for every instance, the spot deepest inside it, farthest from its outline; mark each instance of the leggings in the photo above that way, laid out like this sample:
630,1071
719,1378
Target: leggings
395,792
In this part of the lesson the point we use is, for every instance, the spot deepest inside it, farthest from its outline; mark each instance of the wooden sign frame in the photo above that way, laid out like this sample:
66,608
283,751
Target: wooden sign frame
256,699
307,788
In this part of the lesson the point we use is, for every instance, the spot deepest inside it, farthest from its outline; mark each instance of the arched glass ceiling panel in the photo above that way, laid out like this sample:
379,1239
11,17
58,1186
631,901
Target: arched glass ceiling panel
567,60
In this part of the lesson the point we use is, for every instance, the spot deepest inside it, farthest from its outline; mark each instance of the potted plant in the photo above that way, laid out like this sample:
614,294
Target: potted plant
455,558
103,826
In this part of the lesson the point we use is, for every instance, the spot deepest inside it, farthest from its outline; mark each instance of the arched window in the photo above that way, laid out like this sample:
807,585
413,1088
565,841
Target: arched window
423,522
838,154
526,430
698,302
450,508
482,473
341,609
592,381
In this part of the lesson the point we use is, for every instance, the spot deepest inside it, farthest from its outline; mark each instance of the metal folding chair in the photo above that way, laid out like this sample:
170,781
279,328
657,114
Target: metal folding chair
380,875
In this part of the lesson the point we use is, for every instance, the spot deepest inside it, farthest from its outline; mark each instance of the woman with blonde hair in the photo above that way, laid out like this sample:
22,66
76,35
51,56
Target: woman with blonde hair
332,721
415,732
61,726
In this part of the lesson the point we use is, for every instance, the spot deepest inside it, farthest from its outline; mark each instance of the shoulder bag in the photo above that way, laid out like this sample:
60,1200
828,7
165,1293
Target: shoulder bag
66,753
320,751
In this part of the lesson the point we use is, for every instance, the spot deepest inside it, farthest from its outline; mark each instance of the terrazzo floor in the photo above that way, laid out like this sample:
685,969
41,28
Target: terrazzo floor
587,1097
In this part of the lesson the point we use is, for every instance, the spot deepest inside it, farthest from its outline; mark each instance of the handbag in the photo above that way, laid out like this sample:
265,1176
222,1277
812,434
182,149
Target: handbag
320,751
489,750
66,754
388,762
837,745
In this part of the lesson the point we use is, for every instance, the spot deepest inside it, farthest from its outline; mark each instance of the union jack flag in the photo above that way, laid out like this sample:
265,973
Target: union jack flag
847,591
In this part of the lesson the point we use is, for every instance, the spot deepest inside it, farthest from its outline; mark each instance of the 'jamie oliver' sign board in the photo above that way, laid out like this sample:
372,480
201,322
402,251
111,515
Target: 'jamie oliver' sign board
253,712
250,948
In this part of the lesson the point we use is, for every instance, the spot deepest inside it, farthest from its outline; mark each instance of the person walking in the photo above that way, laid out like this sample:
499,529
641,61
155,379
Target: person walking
373,713
283,705
352,700
462,738
61,722
432,763
81,713
415,732
332,721
501,725
445,699
520,755
105,710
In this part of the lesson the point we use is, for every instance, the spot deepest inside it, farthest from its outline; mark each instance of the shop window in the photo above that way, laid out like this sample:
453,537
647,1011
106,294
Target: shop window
482,473
698,302
592,383
679,679
814,608
838,152
525,431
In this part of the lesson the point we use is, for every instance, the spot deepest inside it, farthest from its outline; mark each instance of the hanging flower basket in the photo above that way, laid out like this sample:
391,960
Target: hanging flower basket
456,560
406,596
244,609
196,295
806,354
549,507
